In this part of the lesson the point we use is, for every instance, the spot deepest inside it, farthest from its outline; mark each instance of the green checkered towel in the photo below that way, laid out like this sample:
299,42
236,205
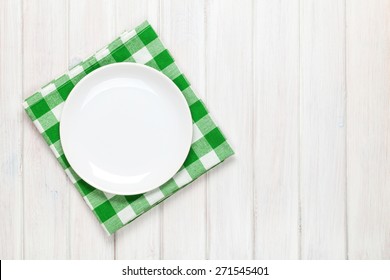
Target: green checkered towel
141,45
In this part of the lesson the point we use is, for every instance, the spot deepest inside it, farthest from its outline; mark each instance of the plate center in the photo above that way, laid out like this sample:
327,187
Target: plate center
122,131
126,128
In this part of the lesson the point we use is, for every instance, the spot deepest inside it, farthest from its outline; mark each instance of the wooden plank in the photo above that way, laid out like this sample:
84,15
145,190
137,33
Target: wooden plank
368,133
230,99
46,187
184,215
11,189
140,239
91,26
322,143
276,131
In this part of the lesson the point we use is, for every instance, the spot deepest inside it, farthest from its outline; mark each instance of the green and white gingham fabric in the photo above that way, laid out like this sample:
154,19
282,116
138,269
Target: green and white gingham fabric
141,45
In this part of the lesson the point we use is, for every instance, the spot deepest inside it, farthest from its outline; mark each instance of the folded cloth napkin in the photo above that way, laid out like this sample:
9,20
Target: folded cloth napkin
141,45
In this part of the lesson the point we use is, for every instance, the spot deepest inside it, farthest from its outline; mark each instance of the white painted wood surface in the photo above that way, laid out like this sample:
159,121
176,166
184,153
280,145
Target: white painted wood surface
322,130
368,128
45,188
301,89
11,143
276,129
229,96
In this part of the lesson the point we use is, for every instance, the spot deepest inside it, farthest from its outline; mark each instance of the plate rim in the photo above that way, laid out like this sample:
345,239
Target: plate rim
136,65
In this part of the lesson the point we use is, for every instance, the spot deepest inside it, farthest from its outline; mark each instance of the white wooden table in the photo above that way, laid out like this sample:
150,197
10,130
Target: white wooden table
300,88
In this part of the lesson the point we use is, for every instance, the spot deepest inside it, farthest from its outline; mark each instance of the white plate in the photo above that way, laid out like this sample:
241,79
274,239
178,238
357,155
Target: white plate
126,128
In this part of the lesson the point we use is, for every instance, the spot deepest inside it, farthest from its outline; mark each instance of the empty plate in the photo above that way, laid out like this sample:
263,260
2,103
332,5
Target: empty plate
126,128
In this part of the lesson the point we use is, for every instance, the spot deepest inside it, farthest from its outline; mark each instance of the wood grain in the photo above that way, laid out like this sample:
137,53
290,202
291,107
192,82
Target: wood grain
276,129
46,187
322,130
229,96
184,219
142,238
94,18
11,188
368,133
